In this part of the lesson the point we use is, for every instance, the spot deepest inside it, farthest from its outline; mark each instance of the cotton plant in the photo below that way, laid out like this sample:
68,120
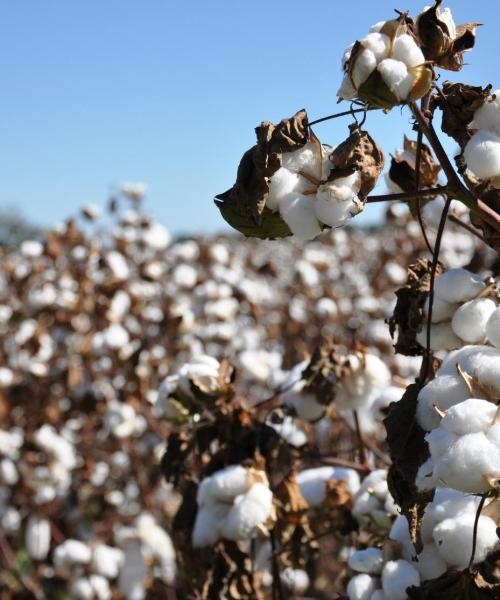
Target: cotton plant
234,503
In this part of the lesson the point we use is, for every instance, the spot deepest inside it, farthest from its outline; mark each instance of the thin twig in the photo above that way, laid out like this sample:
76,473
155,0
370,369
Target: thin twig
418,203
466,226
361,442
405,196
474,532
340,462
340,114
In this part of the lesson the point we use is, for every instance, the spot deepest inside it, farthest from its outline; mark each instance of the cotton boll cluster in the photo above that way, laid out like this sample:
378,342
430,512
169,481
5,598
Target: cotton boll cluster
234,503
299,190
465,447
482,152
386,67
449,388
460,311
373,506
313,483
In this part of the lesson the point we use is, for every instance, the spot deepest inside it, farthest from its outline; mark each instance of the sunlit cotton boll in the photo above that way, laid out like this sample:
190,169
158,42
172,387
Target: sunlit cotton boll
337,201
312,482
37,537
360,387
493,328
304,404
107,560
208,524
397,576
405,49
223,485
487,116
442,337
458,285
364,66
283,182
469,320
361,587
482,154
443,391
396,76
296,580
249,511
298,212
369,561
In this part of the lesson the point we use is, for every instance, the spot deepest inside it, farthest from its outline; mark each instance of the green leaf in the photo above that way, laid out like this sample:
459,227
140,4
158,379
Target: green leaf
376,92
271,224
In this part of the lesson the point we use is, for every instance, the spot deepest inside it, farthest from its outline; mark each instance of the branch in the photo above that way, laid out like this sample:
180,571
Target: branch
340,114
406,196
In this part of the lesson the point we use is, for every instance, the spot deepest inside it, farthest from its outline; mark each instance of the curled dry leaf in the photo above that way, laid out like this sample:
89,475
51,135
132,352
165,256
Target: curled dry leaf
441,41
325,368
403,167
243,206
458,103
408,317
359,152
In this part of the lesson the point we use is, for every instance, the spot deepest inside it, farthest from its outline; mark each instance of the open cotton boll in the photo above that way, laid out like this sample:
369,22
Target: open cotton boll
397,577
469,358
471,416
430,564
361,386
305,405
487,116
283,182
37,537
482,154
405,49
208,524
346,90
468,463
457,286
487,372
312,482
493,328
361,587
289,431
296,580
439,440
305,160
71,552
441,310
346,55
336,201
364,65
442,337
107,560
396,76
453,538
469,320
223,485
248,512
368,561
400,532
298,213
378,43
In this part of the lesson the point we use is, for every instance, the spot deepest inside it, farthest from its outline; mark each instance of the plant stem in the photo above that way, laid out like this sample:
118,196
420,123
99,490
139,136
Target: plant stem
340,114
441,189
474,533
361,442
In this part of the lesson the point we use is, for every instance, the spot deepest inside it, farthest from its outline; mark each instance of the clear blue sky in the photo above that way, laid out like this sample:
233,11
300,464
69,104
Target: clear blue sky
97,92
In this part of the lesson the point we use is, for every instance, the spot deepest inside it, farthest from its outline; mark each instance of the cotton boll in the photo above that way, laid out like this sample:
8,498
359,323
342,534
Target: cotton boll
107,560
37,537
378,43
364,65
457,286
425,476
471,416
312,482
208,523
441,310
71,552
296,580
482,154
405,49
336,201
468,463
469,320
347,54
81,589
493,435
223,485
248,512
100,586
305,405
487,116
289,431
440,440
298,213
493,328
283,182
453,538
397,78
442,337
397,577
360,387
361,587
346,90
400,532
430,564
115,336
369,561
305,160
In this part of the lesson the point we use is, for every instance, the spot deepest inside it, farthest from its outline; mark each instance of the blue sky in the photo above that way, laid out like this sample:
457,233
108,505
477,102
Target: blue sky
99,92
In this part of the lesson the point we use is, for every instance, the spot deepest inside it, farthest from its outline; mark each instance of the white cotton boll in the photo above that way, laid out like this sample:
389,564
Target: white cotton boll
468,463
72,552
37,537
443,392
457,286
6,377
185,276
471,416
453,538
424,479
8,472
298,213
347,54
305,160
493,328
107,560
81,589
116,336
442,337
305,405
31,248
248,512
208,523
487,372
364,65
440,440
406,50
312,482
369,561
377,27
361,587
289,431
119,307
336,200
375,477
11,520
118,265
284,182
430,564
156,236
101,587
482,154
378,43
223,485
397,576
296,580
133,572
493,435
400,532
487,116
441,310
346,90
325,307
157,543
396,76
361,386
469,320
